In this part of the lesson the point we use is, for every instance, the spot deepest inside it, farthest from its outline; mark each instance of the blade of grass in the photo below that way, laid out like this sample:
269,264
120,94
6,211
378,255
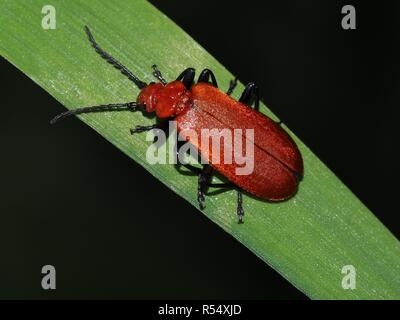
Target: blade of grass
307,239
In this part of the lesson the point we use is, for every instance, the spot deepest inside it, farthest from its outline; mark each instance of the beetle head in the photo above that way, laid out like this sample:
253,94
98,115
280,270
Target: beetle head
165,100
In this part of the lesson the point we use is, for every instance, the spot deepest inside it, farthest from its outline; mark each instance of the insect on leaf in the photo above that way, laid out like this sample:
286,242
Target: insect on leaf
308,239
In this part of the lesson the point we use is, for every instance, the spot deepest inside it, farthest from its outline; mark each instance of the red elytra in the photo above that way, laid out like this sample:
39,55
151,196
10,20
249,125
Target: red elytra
278,165
277,161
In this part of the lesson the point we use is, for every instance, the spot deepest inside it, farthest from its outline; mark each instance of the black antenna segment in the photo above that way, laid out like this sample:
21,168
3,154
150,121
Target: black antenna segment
124,70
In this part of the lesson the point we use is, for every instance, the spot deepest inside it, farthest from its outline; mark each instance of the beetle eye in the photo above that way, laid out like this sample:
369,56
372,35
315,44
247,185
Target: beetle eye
152,82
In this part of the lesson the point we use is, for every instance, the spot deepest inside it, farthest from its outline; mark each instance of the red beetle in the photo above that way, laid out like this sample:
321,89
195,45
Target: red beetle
278,165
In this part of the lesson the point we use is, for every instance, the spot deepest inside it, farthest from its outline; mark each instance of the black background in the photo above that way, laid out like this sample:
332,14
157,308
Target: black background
113,231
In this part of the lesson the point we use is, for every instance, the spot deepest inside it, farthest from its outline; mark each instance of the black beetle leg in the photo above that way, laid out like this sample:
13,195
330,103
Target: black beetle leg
239,208
250,95
194,170
187,77
205,77
232,86
204,182
160,125
139,129
204,179
229,185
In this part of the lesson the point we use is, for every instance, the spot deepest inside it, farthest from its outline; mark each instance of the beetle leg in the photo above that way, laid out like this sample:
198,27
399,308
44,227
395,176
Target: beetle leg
250,95
160,125
194,170
204,182
239,208
229,185
232,86
205,77
204,179
187,77
191,168
139,129
157,74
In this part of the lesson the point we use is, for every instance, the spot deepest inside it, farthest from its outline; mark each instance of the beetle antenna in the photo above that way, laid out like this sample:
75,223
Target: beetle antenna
131,106
124,70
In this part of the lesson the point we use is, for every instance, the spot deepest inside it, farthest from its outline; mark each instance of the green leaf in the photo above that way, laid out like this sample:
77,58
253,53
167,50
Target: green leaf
307,239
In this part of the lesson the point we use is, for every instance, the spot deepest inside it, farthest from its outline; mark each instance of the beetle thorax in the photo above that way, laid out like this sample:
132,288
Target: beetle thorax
165,100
